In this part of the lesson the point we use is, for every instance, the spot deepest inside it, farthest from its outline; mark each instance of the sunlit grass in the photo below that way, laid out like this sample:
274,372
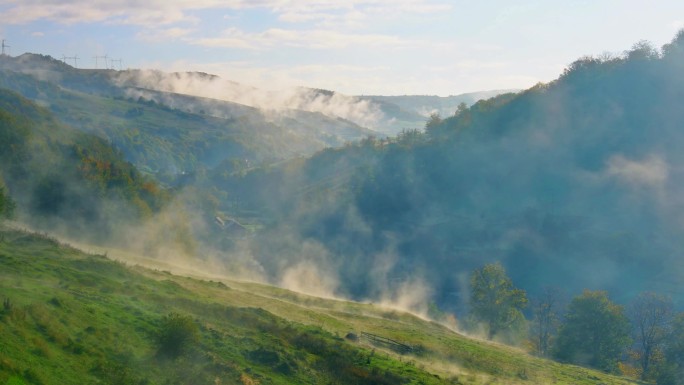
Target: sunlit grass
82,318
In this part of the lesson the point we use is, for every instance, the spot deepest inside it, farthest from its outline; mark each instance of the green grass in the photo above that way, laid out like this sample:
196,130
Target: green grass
78,318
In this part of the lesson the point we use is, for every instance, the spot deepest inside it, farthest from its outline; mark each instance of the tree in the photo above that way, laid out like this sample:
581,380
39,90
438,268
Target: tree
651,314
546,319
676,47
493,299
461,108
671,371
433,121
595,332
643,50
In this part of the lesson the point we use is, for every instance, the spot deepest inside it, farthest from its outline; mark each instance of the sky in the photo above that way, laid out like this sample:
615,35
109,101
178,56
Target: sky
357,47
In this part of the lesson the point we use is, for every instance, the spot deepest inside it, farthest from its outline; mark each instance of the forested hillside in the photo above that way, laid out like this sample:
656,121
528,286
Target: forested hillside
166,133
573,184
60,177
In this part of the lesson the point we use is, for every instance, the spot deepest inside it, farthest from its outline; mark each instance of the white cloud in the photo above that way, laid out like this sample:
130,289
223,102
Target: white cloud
164,34
163,12
370,79
342,78
158,12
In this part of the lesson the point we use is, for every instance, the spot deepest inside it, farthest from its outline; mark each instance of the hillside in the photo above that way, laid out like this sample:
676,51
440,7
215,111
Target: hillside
575,184
166,132
73,318
61,177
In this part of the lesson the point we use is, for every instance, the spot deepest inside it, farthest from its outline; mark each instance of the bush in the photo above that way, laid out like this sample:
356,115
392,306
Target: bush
177,334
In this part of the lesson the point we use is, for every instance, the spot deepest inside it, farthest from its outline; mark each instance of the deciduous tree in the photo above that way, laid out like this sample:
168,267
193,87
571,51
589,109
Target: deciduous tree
595,332
651,314
494,300
544,326
671,372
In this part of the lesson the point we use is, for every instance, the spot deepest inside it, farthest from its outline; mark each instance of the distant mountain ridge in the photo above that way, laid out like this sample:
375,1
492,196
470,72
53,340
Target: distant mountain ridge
405,112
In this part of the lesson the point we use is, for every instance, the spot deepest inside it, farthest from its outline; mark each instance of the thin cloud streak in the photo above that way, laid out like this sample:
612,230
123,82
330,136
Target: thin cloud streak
162,12
310,39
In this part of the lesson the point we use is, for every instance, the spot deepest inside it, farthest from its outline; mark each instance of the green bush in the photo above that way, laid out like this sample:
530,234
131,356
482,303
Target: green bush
178,333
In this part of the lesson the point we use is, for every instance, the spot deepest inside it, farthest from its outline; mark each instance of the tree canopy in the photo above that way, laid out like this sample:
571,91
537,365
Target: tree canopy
494,300
651,314
595,332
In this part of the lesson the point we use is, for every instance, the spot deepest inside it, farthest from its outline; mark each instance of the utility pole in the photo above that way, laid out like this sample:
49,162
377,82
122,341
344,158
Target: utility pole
4,46
116,61
100,57
74,58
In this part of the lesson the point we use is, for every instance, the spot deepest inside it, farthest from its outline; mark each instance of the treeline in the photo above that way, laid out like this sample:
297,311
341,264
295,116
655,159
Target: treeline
644,339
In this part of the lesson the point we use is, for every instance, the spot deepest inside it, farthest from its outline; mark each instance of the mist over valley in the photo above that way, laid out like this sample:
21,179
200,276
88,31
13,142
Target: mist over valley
261,236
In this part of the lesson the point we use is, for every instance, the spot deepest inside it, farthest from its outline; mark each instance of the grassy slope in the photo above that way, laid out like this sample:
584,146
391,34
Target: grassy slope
80,318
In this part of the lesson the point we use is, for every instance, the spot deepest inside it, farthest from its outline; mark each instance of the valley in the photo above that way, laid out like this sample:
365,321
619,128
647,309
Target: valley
190,229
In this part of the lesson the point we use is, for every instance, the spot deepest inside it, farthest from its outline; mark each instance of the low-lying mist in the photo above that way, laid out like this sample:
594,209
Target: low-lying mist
576,183
332,104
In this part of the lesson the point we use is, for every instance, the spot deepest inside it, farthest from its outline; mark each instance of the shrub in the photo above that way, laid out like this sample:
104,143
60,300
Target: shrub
7,305
177,334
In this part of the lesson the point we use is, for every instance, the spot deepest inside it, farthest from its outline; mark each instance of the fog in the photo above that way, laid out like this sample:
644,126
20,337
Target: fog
576,183
361,112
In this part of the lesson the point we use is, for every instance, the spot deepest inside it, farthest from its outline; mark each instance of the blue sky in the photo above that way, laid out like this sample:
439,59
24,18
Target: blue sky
390,47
